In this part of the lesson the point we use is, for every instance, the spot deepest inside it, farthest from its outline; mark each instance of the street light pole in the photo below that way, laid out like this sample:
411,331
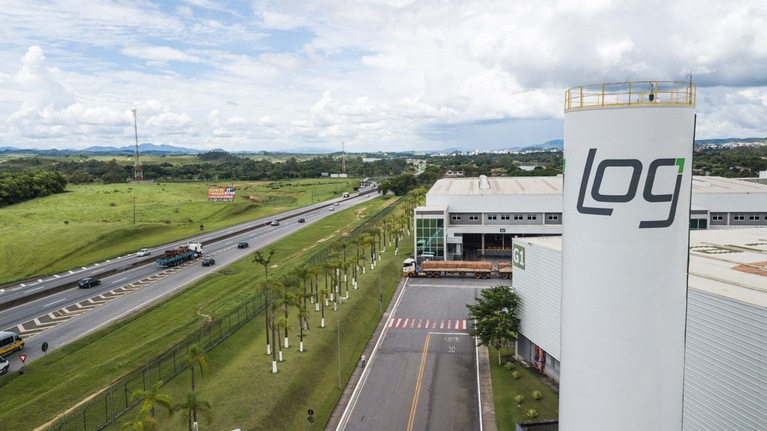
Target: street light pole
134,210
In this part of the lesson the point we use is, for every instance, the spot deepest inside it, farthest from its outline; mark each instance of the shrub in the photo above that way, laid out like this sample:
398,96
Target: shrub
537,395
112,204
66,221
519,399
509,365
515,375
532,413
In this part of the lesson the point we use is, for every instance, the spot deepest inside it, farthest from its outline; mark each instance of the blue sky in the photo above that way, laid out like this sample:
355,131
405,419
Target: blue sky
378,75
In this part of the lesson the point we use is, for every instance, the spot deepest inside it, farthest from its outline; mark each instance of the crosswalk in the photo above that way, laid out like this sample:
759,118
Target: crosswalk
422,323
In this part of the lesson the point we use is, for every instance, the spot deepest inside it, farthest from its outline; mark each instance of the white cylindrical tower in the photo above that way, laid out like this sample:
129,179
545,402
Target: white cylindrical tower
626,201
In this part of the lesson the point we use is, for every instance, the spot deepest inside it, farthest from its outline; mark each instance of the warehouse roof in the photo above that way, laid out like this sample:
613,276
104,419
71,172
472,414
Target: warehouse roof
731,263
554,185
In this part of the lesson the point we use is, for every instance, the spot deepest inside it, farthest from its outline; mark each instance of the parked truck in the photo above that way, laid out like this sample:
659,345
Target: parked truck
177,256
505,269
436,268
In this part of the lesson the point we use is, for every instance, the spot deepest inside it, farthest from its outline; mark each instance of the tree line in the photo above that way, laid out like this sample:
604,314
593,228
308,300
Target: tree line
19,187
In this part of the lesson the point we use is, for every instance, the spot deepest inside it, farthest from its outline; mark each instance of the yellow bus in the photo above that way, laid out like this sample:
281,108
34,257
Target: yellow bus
10,342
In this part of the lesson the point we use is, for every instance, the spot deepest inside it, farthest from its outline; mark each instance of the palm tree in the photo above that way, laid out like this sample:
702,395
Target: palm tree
142,423
322,295
191,407
282,323
264,261
153,398
303,322
196,356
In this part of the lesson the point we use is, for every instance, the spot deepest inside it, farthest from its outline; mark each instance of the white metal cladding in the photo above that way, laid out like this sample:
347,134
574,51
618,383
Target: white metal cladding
725,382
624,287
540,289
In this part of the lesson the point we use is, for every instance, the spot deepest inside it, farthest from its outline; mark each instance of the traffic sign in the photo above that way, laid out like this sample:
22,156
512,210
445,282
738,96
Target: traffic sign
45,346
23,358
311,412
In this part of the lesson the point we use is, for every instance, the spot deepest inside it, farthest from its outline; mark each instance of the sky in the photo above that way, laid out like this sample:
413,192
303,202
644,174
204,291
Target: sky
375,75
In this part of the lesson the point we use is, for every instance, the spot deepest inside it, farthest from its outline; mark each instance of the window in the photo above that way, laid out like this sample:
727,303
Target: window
474,217
492,217
717,217
518,217
552,217
455,218
738,217
504,216
753,217
532,217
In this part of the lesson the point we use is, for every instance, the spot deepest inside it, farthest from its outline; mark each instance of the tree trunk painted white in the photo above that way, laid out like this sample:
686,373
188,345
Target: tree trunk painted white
317,307
280,355
268,349
274,367
323,323
326,302
335,305
301,347
286,343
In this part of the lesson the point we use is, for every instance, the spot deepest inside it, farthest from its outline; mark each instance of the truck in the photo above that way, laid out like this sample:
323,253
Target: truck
177,256
345,195
505,269
436,268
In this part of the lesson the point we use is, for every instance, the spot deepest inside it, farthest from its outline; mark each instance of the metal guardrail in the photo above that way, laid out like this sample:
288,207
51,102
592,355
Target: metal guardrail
630,93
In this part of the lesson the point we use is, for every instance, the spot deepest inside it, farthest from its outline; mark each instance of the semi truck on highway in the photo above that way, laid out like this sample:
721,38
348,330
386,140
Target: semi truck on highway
177,256
437,268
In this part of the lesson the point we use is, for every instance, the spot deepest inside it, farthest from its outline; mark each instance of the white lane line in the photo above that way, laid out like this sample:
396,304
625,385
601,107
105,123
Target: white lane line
117,281
56,276
54,302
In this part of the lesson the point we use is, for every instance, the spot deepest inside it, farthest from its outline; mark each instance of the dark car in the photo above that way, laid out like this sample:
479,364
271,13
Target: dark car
301,220
86,283
275,223
4,365
208,261
242,244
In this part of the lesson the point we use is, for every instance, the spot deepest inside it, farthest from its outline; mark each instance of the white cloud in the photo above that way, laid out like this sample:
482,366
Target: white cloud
378,74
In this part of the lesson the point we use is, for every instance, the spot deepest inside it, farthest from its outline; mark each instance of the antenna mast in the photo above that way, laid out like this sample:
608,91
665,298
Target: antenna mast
343,157
138,174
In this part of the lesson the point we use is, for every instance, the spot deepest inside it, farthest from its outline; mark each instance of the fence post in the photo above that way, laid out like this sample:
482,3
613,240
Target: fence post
112,400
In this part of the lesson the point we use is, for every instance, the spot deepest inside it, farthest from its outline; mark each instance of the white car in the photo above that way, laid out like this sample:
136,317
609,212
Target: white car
331,209
144,252
4,365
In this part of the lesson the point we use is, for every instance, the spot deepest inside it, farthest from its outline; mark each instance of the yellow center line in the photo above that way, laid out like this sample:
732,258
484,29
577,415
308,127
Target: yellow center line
418,384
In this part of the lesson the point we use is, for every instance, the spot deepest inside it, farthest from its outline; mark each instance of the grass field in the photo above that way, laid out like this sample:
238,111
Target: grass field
241,389
505,388
89,223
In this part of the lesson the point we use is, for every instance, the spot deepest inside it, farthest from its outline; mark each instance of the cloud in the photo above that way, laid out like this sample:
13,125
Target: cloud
162,54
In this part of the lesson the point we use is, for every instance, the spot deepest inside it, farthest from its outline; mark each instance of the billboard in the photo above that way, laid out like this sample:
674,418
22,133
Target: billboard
221,193
626,204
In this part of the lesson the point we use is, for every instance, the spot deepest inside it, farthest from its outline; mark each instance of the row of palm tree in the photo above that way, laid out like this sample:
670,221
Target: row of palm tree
189,408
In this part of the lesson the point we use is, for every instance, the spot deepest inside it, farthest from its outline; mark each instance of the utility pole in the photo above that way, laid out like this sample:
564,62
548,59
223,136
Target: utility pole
134,210
138,173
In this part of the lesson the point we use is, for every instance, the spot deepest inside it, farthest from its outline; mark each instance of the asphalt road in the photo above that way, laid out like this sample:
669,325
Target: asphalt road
65,316
423,374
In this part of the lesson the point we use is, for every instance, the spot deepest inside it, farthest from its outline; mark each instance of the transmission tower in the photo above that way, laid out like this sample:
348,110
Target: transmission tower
138,174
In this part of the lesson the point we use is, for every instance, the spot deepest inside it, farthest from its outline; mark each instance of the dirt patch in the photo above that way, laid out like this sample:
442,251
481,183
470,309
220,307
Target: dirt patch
283,192
256,198
71,409
200,313
255,184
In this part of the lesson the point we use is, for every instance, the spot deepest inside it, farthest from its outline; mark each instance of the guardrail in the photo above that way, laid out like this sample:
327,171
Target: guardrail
630,93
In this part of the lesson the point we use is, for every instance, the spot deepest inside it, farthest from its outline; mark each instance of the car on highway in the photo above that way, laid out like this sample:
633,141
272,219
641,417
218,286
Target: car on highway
335,204
86,283
331,209
243,244
144,252
301,220
4,365
275,223
208,261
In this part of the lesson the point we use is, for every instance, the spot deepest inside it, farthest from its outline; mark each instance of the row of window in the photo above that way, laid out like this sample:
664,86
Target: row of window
737,217
475,217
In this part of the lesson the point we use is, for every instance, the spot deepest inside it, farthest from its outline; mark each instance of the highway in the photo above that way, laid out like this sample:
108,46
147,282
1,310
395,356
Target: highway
70,313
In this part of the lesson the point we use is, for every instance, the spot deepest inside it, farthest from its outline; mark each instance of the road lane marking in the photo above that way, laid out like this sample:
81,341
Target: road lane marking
418,383
117,281
54,302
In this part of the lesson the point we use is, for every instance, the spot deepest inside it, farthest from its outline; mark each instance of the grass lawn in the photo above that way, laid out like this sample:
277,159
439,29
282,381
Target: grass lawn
89,223
505,388
242,390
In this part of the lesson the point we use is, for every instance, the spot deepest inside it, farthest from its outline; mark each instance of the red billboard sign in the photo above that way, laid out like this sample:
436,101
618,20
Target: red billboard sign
221,193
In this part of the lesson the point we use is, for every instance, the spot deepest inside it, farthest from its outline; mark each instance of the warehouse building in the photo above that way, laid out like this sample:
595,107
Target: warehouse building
725,366
477,218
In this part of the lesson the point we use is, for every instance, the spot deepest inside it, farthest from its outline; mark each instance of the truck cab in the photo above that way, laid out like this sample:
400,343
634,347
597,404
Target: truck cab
409,269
